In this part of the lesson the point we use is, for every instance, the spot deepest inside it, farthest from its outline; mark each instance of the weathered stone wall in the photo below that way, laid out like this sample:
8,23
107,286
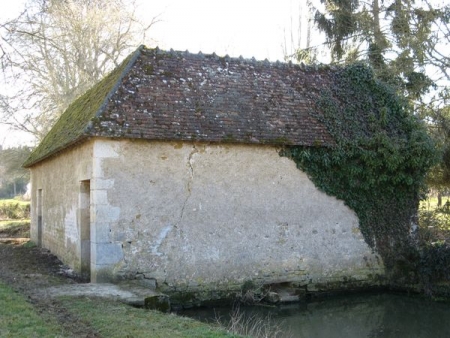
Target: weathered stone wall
59,180
193,216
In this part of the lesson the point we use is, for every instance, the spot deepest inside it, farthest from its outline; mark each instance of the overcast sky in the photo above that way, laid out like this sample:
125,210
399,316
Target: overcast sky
236,27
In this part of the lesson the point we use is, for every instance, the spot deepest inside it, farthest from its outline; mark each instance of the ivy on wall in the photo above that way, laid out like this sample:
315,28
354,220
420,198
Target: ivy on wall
379,162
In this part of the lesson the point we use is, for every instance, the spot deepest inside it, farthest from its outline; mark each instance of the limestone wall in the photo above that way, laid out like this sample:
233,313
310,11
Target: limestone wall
56,182
190,216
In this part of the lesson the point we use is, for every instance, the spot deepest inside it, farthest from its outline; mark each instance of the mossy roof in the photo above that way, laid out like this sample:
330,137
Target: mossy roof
74,123
179,96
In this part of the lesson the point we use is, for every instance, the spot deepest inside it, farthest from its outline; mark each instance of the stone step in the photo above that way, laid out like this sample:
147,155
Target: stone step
129,294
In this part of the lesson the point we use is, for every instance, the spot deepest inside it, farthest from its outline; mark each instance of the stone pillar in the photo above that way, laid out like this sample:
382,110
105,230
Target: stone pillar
105,253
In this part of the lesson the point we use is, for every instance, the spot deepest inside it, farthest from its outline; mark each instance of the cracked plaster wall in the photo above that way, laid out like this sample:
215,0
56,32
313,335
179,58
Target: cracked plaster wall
195,216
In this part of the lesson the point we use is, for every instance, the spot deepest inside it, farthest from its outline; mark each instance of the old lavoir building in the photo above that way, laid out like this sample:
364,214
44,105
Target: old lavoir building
169,171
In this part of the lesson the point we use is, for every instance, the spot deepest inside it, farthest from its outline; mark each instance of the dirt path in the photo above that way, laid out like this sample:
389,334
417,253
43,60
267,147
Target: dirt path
30,271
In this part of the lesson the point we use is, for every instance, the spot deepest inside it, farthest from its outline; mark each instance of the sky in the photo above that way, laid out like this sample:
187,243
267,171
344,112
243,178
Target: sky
251,28
235,27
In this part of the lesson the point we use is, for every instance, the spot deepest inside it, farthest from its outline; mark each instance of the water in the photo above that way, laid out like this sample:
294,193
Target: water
355,316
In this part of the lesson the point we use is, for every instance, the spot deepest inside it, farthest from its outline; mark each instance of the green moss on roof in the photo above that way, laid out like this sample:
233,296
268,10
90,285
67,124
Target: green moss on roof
73,123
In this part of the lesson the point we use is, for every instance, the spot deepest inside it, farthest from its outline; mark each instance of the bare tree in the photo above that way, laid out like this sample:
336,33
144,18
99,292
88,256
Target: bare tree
297,36
56,49
297,44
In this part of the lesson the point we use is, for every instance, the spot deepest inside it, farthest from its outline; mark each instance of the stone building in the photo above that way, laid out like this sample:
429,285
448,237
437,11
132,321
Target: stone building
168,171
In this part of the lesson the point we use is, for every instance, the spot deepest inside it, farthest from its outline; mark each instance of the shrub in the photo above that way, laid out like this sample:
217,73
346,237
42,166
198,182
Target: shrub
12,209
434,225
435,262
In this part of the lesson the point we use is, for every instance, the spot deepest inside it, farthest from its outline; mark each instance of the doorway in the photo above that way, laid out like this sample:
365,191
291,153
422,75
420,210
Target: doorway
39,217
85,228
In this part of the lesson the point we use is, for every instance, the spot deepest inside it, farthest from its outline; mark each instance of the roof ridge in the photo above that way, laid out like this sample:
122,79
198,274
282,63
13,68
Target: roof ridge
252,60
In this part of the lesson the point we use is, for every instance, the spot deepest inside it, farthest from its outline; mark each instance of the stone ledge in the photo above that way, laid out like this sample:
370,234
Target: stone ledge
129,294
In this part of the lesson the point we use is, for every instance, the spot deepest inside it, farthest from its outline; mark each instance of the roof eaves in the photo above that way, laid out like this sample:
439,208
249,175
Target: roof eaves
29,164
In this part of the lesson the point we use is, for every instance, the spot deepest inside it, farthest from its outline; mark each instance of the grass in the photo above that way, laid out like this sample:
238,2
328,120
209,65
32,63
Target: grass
431,203
114,319
11,224
14,201
253,325
109,318
15,228
19,319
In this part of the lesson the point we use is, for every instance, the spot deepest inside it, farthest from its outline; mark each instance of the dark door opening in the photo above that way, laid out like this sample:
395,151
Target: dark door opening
85,228
39,217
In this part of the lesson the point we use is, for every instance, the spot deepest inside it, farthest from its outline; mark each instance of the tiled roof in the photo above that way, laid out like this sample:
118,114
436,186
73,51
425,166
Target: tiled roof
179,96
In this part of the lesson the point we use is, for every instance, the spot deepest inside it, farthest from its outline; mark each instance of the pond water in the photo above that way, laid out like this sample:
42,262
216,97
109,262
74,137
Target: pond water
367,315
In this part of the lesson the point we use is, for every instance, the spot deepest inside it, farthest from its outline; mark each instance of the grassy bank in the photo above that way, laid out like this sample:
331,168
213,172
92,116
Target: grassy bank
107,318
19,319
114,319
15,228
14,218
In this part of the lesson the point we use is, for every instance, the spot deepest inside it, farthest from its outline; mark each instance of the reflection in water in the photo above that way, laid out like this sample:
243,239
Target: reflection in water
355,316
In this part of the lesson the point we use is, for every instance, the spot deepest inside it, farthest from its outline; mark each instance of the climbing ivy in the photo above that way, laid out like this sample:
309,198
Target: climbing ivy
380,158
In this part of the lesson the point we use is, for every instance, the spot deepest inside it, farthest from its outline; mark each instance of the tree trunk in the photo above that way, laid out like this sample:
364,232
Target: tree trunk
378,35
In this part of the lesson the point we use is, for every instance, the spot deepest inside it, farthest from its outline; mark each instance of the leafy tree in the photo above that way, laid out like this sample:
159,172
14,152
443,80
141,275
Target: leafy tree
395,37
56,49
405,42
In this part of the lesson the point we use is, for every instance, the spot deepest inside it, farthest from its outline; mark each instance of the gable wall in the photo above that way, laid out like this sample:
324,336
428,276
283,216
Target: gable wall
194,216
59,178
